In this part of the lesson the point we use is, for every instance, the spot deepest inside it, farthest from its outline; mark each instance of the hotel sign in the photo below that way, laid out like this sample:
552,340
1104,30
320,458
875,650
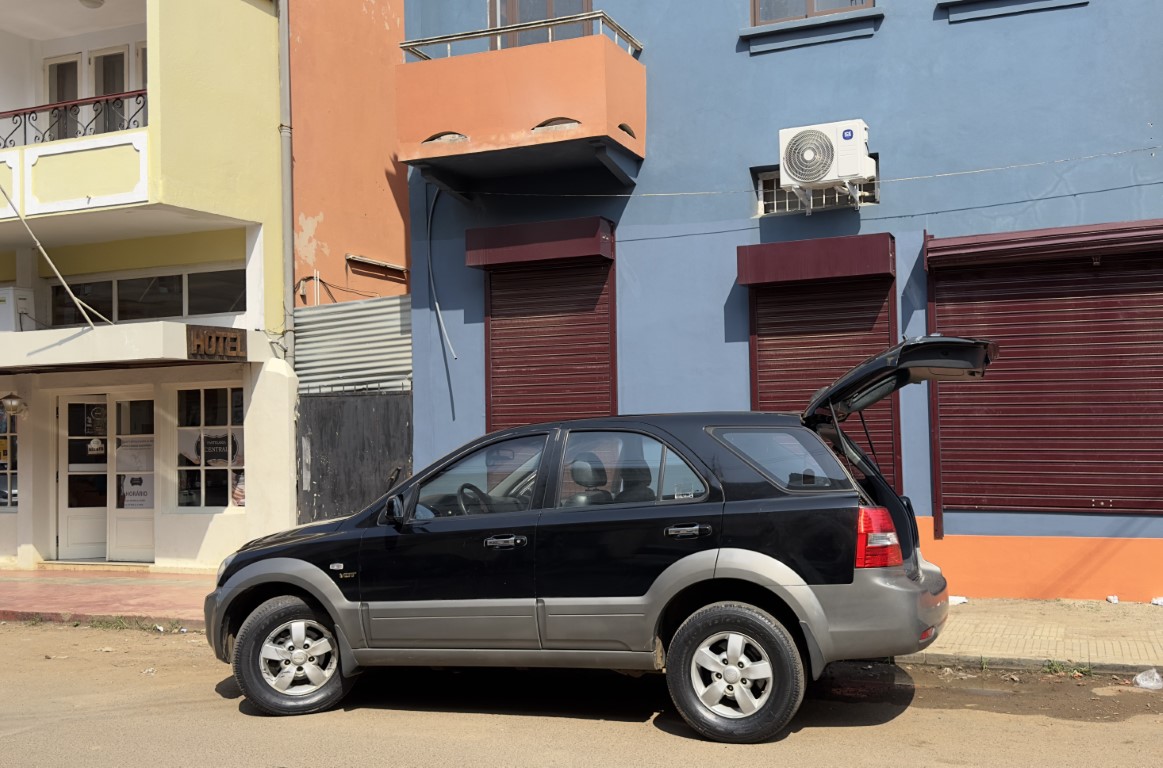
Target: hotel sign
205,342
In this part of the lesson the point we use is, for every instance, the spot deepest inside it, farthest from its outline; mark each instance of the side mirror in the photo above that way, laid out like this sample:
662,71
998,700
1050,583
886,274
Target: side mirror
394,512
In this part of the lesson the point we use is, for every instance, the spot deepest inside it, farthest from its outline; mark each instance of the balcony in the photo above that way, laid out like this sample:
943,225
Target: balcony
557,95
140,131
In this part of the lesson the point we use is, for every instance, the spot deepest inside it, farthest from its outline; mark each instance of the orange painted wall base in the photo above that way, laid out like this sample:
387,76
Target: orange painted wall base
1047,567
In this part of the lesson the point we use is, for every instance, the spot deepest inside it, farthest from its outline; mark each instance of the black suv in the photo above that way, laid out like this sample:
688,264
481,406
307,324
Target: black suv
736,551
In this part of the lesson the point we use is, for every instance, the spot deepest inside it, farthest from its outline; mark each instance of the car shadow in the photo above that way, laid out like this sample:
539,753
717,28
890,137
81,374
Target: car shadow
848,695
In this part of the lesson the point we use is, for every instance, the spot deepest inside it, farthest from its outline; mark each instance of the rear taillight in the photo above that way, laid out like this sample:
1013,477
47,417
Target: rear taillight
877,545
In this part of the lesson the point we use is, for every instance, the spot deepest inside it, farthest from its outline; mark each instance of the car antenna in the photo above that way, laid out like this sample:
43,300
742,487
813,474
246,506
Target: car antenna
392,477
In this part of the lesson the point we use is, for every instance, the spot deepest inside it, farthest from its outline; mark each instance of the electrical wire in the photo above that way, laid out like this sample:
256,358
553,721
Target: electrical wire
431,278
754,192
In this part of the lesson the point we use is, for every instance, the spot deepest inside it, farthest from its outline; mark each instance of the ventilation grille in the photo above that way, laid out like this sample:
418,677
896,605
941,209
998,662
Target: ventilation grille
773,200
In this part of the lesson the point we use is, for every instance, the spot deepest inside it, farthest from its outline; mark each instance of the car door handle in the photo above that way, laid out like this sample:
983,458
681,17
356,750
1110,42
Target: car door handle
508,541
692,531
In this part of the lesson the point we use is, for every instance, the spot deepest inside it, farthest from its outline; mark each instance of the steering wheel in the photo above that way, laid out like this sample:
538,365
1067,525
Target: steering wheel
468,497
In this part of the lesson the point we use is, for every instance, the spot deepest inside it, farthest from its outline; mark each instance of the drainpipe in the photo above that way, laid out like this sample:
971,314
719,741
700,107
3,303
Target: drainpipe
288,192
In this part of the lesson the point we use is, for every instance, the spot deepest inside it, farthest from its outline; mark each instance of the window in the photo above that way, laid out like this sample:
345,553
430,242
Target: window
497,478
7,460
502,13
211,463
770,11
792,458
624,468
154,297
773,199
133,448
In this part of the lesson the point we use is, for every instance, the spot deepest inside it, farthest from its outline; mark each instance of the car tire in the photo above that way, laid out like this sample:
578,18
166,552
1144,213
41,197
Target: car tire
286,658
734,673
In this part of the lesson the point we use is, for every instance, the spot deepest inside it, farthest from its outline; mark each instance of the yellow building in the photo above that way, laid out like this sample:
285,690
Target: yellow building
140,141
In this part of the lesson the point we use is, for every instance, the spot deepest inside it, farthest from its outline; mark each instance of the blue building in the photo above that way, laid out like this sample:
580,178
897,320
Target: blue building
602,222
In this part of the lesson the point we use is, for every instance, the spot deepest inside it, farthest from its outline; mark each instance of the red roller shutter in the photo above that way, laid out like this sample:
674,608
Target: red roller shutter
806,335
1070,416
550,343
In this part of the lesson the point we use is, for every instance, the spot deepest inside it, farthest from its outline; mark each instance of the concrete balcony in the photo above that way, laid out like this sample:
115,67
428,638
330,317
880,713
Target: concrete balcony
507,108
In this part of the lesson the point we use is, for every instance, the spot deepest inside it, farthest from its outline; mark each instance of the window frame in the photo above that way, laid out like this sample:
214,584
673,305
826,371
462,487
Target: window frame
413,495
137,274
716,432
176,429
771,177
553,502
810,11
9,434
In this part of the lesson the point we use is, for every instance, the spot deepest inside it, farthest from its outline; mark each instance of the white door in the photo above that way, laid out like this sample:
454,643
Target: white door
83,477
132,477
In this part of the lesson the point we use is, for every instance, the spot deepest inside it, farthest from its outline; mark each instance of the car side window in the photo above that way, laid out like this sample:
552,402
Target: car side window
794,459
496,478
623,468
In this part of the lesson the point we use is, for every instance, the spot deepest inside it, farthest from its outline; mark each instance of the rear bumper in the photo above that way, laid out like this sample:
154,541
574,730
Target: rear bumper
884,613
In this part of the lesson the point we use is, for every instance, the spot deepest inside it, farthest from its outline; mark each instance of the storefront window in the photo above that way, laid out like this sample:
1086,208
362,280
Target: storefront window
211,465
7,461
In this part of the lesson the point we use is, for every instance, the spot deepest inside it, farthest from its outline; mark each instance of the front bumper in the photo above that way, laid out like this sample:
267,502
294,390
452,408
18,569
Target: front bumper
212,609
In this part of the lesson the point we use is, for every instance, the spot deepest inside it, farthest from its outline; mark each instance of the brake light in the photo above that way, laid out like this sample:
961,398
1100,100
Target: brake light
877,545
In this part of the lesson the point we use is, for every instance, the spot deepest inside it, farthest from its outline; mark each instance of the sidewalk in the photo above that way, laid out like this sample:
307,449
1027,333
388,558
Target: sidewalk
1119,638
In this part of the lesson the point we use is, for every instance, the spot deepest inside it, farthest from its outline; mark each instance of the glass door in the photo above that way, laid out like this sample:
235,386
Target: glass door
110,77
83,478
62,76
131,518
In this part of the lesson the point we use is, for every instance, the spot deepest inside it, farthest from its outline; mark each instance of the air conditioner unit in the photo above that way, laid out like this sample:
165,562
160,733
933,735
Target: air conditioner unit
824,156
15,302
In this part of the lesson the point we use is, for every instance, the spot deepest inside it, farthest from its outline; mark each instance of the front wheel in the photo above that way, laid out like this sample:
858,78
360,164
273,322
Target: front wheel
734,673
286,659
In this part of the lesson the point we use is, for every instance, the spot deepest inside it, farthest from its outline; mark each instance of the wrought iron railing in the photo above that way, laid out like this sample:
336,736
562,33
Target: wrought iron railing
513,35
73,119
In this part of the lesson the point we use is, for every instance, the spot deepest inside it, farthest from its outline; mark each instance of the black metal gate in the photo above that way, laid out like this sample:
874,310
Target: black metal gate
348,444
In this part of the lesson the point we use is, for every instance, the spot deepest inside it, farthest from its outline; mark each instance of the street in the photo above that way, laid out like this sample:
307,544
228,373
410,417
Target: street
127,697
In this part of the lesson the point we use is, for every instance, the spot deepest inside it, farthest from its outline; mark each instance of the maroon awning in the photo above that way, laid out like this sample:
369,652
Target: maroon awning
820,259
1043,244
592,236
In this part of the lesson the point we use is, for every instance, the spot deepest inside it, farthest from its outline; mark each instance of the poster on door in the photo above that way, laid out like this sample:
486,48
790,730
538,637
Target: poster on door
135,491
135,454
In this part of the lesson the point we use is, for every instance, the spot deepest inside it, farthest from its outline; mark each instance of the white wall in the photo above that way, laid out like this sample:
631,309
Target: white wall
18,84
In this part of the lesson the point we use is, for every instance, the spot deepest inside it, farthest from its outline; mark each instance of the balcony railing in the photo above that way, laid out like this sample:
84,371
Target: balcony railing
513,35
73,119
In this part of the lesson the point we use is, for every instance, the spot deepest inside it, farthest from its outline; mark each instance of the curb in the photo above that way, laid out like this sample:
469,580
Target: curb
64,617
1016,664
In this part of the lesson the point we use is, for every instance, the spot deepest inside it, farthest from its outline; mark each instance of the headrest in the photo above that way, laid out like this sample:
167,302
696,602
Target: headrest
636,475
587,470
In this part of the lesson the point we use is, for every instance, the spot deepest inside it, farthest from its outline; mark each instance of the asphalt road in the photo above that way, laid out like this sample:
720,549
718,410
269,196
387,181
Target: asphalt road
81,696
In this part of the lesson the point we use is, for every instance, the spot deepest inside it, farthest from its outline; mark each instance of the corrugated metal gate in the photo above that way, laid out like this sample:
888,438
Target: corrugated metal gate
1069,418
806,335
355,345
550,343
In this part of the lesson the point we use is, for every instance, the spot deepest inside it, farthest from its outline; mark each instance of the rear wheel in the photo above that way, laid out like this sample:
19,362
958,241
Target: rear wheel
734,673
286,659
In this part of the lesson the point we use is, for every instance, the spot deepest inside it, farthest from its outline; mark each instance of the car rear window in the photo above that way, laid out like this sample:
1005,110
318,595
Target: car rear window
794,459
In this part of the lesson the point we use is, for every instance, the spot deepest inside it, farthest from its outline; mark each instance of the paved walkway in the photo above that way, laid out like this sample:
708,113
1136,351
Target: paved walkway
1121,637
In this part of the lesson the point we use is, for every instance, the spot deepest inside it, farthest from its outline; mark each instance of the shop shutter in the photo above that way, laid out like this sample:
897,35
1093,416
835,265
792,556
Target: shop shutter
550,334
1069,418
806,335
